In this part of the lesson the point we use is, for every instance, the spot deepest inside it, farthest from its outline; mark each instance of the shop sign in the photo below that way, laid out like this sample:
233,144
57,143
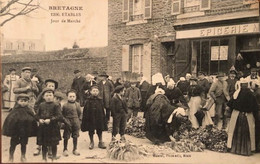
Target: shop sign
219,31
219,53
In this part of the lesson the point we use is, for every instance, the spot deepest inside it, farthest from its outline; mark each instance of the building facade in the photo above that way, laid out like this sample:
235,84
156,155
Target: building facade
21,46
179,36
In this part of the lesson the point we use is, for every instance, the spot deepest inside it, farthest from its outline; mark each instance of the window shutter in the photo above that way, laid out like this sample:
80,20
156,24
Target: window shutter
147,61
205,4
125,58
125,10
131,9
176,7
147,9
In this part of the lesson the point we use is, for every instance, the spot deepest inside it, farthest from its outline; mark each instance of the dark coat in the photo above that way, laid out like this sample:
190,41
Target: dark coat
204,83
77,85
144,86
105,92
231,86
158,112
183,86
49,134
20,122
133,97
118,106
175,96
93,115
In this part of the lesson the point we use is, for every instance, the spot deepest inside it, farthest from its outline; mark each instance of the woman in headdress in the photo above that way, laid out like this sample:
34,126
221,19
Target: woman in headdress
241,131
158,111
9,96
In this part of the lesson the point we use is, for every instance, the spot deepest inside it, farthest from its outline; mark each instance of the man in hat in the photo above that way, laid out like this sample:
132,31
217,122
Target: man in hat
95,74
253,78
106,89
203,82
219,92
77,85
37,79
27,86
231,81
9,96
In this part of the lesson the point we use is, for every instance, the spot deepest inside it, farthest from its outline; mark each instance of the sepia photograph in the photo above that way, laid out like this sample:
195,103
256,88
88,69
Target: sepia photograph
130,81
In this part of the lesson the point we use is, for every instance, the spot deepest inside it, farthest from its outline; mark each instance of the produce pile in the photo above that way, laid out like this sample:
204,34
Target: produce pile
187,139
135,127
123,150
213,138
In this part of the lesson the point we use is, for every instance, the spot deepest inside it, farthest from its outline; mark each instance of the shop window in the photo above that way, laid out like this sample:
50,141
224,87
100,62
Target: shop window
136,10
211,56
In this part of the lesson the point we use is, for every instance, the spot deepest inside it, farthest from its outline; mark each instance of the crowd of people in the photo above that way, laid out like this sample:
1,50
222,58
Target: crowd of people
231,103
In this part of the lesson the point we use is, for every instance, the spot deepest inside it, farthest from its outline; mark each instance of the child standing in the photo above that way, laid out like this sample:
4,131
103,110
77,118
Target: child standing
20,124
94,117
72,114
119,113
49,115
133,100
51,84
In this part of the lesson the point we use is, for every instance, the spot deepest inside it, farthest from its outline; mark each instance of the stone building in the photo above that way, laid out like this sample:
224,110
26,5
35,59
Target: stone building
179,36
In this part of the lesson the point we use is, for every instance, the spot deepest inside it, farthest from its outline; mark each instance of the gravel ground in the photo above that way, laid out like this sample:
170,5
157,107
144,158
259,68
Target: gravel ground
99,156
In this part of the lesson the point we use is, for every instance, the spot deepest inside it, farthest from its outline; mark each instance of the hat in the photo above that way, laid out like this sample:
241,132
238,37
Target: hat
253,70
201,73
76,71
103,74
182,78
94,86
59,95
220,74
119,88
47,90
193,78
23,96
233,72
12,69
158,78
72,90
27,68
52,81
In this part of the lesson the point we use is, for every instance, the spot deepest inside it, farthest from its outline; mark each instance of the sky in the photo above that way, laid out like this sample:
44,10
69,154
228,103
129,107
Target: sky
90,32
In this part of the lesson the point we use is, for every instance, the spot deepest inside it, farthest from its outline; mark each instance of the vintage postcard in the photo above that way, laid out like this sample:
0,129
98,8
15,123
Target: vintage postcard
138,81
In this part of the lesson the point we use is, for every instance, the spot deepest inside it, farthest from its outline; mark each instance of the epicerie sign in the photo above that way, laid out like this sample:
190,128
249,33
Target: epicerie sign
219,31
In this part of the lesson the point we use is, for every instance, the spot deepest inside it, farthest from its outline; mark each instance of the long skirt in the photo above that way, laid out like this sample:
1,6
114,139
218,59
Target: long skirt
241,137
9,96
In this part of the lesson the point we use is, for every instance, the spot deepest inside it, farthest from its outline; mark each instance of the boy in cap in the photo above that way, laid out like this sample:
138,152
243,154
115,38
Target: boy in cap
133,99
203,82
94,117
27,86
53,85
72,116
77,85
119,113
20,124
49,115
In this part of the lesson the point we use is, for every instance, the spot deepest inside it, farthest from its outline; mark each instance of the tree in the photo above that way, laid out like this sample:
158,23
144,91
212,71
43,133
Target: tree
14,8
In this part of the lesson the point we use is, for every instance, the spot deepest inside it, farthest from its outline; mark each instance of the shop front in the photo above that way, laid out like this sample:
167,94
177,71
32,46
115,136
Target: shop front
214,48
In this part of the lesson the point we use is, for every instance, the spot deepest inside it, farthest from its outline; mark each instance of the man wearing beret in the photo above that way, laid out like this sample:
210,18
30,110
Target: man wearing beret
27,86
77,85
